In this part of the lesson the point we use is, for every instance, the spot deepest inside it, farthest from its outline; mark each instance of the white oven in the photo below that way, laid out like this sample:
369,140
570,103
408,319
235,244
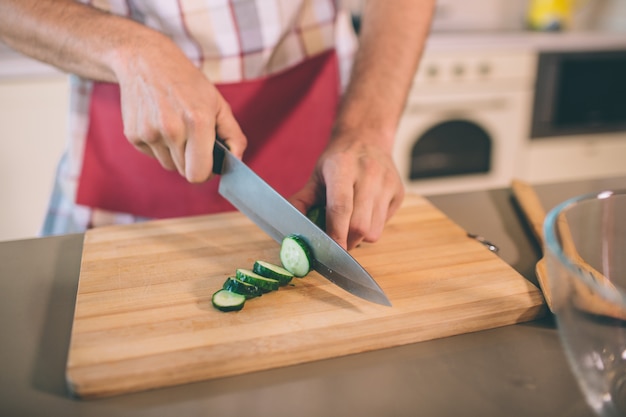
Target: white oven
466,118
477,114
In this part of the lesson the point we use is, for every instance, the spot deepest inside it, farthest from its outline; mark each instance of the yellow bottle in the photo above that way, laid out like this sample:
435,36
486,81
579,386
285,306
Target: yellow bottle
550,15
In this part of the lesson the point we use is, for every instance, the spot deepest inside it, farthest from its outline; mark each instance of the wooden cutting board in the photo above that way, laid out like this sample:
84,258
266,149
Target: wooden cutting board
144,318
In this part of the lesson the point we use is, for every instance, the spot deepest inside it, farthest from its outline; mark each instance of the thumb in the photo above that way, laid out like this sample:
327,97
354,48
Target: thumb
306,198
228,129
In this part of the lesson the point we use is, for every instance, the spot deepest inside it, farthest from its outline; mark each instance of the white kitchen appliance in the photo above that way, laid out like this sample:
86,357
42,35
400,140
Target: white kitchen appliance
471,116
467,115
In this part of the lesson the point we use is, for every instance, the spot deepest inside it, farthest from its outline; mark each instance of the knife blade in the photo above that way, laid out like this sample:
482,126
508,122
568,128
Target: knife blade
256,199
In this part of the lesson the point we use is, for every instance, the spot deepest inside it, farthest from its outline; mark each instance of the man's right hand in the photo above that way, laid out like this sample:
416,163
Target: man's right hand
170,109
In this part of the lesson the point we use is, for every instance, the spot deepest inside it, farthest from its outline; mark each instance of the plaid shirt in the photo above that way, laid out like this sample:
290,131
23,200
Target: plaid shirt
230,41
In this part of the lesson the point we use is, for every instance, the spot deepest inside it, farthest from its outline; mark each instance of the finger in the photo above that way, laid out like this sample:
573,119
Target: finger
199,148
173,143
199,151
160,152
144,148
381,198
367,197
164,132
396,202
378,220
339,207
229,130
382,210
147,139
307,197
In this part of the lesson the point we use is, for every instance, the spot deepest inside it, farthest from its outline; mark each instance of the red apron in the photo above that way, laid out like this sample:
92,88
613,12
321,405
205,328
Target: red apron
287,119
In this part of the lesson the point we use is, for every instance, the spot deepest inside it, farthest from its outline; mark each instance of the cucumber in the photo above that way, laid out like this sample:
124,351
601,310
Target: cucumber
317,215
265,284
296,256
235,285
225,300
297,260
269,270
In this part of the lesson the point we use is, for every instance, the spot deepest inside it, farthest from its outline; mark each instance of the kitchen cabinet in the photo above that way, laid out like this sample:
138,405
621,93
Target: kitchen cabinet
576,157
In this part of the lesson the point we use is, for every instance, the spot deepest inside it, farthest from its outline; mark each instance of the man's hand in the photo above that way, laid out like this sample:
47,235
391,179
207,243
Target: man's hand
355,176
172,112
358,182
170,109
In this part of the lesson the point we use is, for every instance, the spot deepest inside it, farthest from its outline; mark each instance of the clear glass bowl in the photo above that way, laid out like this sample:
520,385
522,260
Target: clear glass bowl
585,247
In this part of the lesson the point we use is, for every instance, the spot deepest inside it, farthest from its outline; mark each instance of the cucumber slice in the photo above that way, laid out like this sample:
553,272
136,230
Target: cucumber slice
296,256
235,285
265,284
225,300
269,270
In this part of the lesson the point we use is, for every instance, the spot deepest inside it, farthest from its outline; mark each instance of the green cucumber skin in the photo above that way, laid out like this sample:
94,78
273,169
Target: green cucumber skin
264,277
237,286
263,269
317,215
288,263
215,300
265,284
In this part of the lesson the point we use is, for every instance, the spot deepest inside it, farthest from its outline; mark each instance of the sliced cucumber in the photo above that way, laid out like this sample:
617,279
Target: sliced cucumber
225,300
265,284
269,270
235,285
317,215
296,256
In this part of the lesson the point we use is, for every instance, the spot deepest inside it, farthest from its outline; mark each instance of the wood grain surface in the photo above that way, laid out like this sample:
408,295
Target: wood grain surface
535,215
144,319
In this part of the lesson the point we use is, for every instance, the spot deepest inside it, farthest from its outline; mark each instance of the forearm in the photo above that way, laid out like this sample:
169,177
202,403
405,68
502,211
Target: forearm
392,38
73,37
169,108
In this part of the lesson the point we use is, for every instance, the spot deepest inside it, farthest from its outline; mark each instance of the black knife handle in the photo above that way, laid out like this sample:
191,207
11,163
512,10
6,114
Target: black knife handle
219,149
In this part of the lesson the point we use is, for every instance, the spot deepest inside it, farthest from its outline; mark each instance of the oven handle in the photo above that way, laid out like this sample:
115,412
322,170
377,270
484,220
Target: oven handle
458,106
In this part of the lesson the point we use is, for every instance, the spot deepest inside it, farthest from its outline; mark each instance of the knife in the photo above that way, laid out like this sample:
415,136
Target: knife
252,196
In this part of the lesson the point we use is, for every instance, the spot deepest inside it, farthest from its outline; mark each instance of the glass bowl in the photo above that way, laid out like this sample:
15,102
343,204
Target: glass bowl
585,248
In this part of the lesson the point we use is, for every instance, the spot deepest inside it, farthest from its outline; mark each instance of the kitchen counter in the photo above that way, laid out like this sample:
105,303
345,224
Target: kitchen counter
517,370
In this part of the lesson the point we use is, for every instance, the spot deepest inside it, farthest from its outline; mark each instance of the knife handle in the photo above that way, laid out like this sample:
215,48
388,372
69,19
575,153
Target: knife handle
219,151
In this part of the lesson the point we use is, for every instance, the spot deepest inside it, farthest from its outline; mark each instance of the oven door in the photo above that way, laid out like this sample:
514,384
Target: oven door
580,93
461,142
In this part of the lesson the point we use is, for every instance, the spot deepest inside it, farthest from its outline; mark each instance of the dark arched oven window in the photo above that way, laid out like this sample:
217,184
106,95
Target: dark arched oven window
454,147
